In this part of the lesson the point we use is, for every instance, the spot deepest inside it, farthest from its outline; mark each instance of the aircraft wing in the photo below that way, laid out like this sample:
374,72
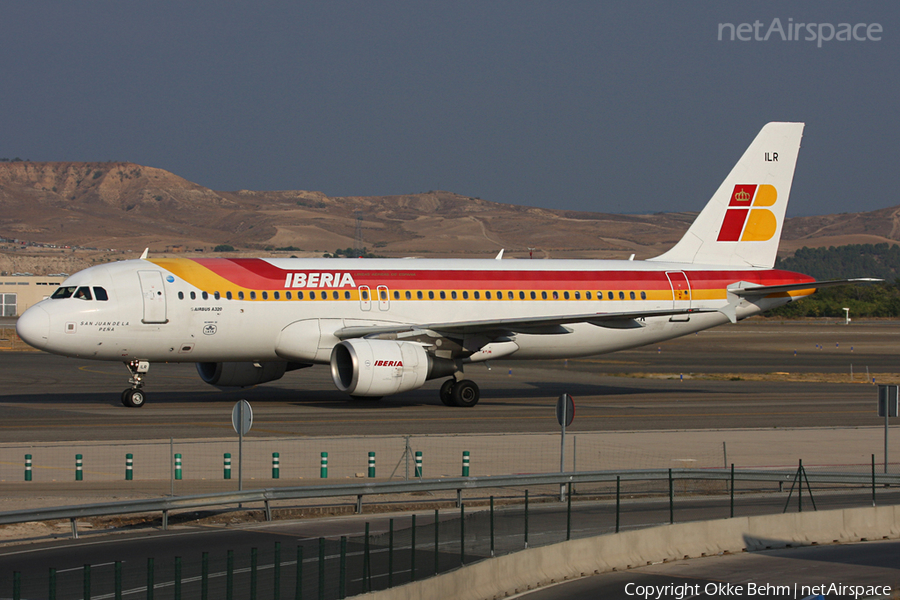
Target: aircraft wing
765,290
521,324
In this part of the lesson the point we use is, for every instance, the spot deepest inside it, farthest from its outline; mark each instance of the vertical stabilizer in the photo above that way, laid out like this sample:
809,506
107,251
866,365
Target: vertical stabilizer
741,224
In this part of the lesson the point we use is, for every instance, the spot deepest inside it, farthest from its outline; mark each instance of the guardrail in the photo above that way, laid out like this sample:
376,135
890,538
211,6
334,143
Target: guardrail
268,495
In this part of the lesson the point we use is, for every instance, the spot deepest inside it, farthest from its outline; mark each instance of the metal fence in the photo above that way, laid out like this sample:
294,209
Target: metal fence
425,542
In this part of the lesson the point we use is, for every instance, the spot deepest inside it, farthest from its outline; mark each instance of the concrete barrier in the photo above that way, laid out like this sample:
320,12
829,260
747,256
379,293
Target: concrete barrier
536,567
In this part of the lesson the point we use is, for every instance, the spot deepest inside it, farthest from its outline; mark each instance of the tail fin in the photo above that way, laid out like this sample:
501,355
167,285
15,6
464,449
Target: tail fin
741,224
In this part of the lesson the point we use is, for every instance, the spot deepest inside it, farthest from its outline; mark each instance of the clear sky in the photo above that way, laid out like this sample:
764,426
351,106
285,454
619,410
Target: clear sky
599,106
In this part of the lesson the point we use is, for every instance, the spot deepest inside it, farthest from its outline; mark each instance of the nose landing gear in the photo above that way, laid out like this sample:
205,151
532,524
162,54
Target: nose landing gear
134,397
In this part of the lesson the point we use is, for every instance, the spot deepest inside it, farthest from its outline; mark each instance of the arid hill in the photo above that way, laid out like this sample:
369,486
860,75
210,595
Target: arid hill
125,206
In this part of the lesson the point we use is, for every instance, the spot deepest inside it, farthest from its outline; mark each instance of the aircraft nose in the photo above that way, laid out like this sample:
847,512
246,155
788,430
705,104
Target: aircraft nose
34,326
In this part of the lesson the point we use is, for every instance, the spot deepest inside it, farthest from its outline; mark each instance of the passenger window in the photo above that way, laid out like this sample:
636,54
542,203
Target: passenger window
334,294
521,295
431,295
299,295
419,294
631,295
193,295
408,295
384,295
533,296
287,295
216,295
566,295
276,295
543,295
586,295
577,295
396,295
346,295
265,295
365,294
229,296
443,295
181,295
465,295
453,294
83,293
63,292
205,296
241,295
609,295
621,295
477,295
487,295
100,294
643,295
555,295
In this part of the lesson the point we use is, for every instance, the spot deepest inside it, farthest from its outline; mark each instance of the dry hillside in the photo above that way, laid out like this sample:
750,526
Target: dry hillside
128,207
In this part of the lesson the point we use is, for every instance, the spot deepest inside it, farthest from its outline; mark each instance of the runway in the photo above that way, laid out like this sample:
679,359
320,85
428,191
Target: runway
50,398
47,398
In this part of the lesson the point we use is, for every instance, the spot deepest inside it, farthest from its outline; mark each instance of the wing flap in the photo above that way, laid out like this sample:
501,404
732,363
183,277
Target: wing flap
521,324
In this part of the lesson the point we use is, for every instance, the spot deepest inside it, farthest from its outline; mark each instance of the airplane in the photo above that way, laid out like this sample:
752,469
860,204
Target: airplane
389,325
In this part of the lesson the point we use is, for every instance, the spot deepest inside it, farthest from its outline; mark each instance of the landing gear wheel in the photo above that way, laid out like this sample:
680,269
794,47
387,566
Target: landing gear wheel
465,393
133,398
447,392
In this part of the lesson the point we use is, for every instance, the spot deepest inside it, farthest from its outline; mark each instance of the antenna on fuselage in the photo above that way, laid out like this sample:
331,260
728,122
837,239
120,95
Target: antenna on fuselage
499,256
145,254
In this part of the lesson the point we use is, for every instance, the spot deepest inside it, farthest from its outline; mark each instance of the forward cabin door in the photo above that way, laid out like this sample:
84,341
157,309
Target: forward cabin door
154,295
681,292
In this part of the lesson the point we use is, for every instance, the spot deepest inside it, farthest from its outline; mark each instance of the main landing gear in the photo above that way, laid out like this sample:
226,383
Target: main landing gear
134,397
460,393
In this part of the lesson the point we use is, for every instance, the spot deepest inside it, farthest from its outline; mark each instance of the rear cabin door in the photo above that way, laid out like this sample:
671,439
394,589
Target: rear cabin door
154,297
681,289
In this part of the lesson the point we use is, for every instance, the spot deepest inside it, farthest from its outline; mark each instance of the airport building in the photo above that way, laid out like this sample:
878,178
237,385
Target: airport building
18,292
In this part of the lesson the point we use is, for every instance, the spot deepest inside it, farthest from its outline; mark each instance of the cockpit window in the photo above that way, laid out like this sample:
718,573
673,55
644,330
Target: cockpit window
83,293
63,292
100,294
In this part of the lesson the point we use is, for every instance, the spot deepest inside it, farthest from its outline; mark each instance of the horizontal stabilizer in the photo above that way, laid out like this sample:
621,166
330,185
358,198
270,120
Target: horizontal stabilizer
765,290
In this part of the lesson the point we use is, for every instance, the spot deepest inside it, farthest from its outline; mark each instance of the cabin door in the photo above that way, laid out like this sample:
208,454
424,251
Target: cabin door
154,296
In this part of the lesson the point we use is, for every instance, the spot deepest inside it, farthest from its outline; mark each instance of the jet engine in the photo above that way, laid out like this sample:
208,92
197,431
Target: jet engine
243,374
364,367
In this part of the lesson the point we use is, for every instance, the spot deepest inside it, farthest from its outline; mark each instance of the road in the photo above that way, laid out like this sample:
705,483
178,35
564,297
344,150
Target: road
797,570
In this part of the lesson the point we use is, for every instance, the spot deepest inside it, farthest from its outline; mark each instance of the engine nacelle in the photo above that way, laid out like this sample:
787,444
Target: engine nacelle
363,367
240,374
